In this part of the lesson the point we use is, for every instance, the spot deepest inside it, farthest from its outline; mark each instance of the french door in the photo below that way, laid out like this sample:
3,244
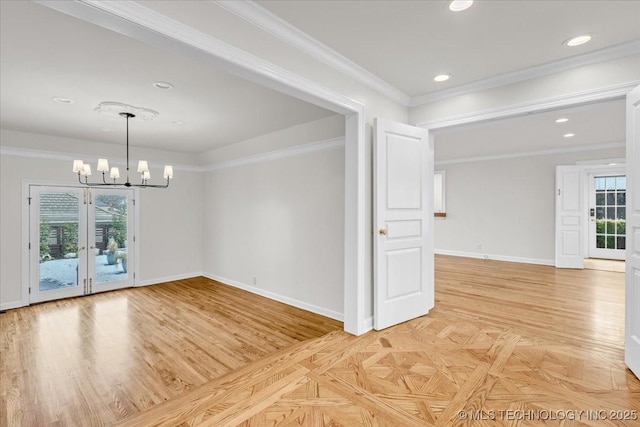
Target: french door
607,211
80,240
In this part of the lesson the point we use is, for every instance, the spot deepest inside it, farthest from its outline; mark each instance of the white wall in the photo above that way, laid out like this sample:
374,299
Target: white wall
170,220
505,208
281,222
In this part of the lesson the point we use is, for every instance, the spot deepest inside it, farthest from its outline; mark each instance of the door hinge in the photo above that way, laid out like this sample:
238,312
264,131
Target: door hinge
134,239
29,245
29,199
29,290
134,201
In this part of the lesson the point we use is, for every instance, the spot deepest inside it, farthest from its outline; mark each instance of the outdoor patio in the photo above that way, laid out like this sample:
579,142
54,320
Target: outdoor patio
62,273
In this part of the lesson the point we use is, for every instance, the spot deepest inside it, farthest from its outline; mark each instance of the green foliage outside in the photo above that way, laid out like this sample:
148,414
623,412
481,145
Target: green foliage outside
118,230
70,238
611,226
45,232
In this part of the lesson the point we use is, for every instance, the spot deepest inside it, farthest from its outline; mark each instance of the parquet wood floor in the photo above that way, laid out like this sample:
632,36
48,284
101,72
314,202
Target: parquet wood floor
507,345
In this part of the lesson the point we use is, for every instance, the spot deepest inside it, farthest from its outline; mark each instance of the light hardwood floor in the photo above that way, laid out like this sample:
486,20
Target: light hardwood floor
506,342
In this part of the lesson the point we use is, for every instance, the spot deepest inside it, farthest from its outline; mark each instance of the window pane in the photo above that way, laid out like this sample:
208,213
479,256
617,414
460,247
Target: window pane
599,183
599,213
622,198
611,213
611,227
611,198
600,241
600,199
600,226
621,183
611,242
621,242
622,213
622,227
610,183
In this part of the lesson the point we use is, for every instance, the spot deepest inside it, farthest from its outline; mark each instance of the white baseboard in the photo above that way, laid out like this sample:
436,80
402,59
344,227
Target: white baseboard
12,305
159,280
495,257
277,297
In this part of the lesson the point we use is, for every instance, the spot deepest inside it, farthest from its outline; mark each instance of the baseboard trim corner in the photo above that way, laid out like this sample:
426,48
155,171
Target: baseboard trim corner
277,297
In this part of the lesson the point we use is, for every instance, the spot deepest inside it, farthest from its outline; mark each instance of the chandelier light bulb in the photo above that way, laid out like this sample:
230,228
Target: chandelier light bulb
168,172
143,166
103,165
78,166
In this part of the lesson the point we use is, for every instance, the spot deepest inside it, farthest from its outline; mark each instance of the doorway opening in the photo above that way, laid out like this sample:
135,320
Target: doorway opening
80,241
607,212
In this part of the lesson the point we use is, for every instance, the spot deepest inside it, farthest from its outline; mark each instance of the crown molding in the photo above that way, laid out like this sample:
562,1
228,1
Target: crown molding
593,147
53,155
535,106
278,27
328,144
601,55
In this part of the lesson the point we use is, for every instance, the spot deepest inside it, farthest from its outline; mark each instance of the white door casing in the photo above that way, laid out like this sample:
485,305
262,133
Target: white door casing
632,293
569,217
403,221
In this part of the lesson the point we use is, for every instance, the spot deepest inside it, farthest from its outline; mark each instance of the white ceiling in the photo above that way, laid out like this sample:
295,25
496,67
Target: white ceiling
592,125
44,53
406,43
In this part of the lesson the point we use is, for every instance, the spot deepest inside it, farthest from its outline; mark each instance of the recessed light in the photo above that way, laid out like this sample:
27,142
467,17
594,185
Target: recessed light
163,85
177,122
62,100
612,164
577,41
562,120
569,135
441,78
106,130
460,5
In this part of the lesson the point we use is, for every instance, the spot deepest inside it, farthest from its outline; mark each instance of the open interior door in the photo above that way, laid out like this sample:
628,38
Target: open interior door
632,297
403,222
569,217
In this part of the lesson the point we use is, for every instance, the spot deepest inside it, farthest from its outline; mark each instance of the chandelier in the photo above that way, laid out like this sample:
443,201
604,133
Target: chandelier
84,169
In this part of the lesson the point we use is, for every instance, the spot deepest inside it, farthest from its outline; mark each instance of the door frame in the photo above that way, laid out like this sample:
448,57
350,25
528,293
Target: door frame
26,225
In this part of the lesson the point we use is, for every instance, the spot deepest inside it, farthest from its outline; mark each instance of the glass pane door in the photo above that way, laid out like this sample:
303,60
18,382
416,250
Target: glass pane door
80,241
58,243
111,218
608,217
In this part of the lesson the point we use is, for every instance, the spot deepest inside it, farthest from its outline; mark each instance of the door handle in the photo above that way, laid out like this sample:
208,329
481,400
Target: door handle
383,231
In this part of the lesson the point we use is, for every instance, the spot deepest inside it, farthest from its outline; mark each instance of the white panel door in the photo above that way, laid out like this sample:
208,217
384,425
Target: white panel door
569,217
632,299
403,221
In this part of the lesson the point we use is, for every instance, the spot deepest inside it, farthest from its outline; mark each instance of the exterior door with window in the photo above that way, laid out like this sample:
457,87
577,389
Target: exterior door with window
79,240
607,212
